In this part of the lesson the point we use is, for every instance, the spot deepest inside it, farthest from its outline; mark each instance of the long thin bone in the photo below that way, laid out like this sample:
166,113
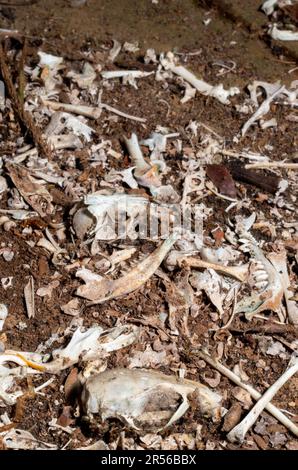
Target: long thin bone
9,32
124,73
237,434
136,155
88,111
238,272
120,113
288,166
282,34
254,393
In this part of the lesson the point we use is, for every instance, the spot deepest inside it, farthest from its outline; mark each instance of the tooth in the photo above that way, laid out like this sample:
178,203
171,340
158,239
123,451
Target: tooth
244,241
261,284
261,277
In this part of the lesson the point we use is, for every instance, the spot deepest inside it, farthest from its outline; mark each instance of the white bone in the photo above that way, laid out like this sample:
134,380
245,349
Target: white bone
124,73
88,111
269,6
282,34
237,434
203,87
254,393
262,110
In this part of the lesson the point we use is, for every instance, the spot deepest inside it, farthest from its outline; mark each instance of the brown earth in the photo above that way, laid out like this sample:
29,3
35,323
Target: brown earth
59,29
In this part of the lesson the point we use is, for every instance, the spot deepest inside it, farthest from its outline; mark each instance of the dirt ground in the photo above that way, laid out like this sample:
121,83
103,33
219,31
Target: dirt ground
86,33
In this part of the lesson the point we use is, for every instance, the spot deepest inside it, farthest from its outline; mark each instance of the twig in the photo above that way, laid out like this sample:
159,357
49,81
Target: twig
238,433
288,166
23,116
21,77
89,111
254,393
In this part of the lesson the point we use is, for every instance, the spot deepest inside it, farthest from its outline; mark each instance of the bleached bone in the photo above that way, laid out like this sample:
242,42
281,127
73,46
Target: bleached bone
157,143
94,343
124,73
3,315
266,124
3,185
273,410
119,256
65,141
98,205
16,358
125,394
269,6
201,86
268,88
85,79
279,261
29,297
49,60
88,111
9,32
8,392
34,193
145,174
44,385
257,166
113,53
122,114
262,110
247,155
238,272
282,34
57,142
61,120
189,93
136,155
271,296
107,289
21,439
238,433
